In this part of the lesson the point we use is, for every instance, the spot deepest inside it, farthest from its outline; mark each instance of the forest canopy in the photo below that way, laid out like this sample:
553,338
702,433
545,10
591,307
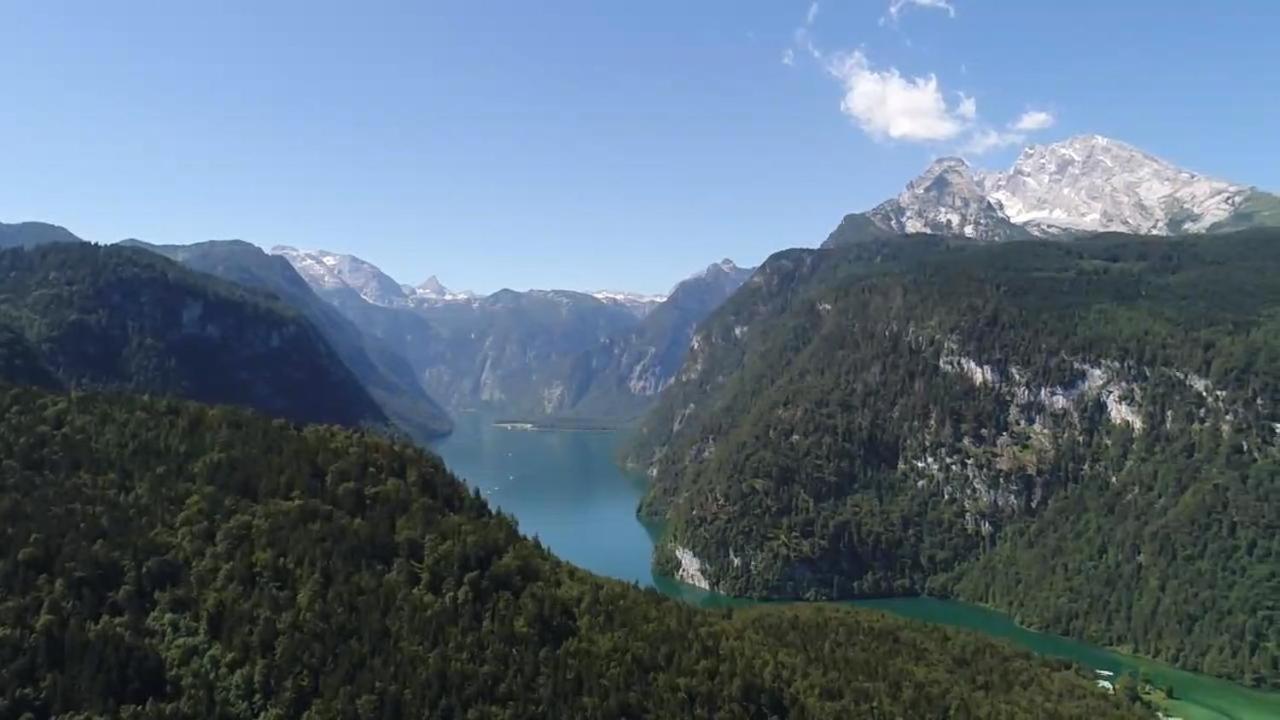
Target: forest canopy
162,559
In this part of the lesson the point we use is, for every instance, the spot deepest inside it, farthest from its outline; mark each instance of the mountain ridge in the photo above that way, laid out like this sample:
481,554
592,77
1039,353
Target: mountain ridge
1015,424
1083,184
539,354
80,315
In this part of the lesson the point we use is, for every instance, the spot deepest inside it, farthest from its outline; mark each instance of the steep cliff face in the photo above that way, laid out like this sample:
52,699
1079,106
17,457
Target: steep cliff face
889,417
644,361
530,354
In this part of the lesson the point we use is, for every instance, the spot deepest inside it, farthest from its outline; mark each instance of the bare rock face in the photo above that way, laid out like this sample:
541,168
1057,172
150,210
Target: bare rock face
330,271
946,200
1084,184
1092,183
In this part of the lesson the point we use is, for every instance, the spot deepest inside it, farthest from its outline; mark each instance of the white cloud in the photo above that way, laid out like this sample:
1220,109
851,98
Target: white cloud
985,140
887,105
812,14
897,6
788,57
1033,120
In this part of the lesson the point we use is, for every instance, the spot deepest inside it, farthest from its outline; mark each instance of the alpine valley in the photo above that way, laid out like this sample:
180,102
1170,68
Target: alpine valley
541,355
803,360
163,558
1052,390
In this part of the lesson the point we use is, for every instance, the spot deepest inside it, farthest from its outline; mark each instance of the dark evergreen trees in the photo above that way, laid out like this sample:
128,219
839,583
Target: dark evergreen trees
1083,433
160,559
77,315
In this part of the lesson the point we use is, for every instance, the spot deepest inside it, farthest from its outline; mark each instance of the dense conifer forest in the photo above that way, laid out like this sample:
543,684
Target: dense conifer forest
162,559
77,315
1084,434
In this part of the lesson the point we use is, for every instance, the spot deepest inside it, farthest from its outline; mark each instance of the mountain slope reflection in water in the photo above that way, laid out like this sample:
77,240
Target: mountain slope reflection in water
565,488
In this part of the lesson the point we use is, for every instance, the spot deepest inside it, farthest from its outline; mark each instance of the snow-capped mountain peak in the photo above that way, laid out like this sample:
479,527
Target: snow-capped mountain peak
1094,183
432,290
951,170
432,286
328,271
638,303
626,297
1086,183
725,266
325,270
945,199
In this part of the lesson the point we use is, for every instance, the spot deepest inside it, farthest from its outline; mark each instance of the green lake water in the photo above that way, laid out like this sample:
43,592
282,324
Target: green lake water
565,488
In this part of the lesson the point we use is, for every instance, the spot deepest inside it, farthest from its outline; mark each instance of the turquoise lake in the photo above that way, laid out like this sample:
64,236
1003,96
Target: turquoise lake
565,488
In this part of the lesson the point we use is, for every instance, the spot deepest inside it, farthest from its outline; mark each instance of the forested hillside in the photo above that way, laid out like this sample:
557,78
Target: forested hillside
76,315
164,559
1082,433
385,373
30,234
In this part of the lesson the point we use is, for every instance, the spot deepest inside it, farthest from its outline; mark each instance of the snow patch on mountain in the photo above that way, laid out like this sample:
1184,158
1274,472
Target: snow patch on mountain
945,200
1083,184
638,303
433,291
1092,183
331,271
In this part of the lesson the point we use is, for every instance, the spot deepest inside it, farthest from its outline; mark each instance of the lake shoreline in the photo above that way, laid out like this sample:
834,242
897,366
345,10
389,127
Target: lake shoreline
553,426
1197,696
567,489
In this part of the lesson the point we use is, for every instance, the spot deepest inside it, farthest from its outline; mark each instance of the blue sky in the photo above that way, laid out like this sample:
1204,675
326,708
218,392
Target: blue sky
587,144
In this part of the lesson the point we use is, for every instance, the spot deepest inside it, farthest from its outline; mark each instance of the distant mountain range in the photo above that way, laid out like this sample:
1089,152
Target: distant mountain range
1085,184
328,272
638,303
539,354
605,355
535,354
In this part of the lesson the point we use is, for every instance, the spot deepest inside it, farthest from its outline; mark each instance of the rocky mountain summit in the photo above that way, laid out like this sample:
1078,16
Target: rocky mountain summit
1093,183
434,291
946,200
1083,184
325,270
